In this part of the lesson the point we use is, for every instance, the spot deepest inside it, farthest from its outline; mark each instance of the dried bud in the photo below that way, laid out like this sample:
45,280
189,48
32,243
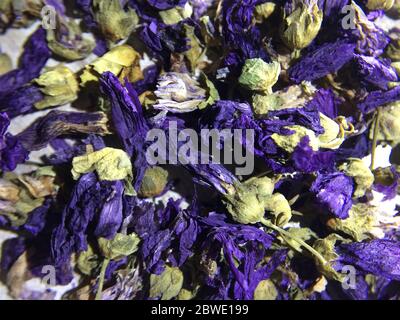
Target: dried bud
332,137
67,40
290,142
360,224
258,75
279,208
301,24
114,21
59,86
326,247
361,174
246,203
178,92
154,181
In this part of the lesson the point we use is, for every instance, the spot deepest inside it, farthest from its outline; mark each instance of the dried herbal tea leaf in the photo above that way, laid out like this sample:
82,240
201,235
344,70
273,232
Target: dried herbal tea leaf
8,190
360,223
67,41
295,96
109,163
17,213
120,246
88,261
212,93
167,285
196,51
326,247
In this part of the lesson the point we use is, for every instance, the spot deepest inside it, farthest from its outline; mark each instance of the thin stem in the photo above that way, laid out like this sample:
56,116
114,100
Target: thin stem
303,243
375,139
101,278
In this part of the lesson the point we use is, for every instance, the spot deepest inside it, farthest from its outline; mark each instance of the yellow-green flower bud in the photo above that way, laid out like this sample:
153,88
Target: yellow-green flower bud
246,203
290,142
326,247
59,86
279,208
258,75
154,181
331,138
302,25
380,4
361,174
114,22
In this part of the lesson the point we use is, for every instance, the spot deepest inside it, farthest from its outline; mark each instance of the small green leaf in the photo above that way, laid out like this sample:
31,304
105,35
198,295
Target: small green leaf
166,285
265,290
121,246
